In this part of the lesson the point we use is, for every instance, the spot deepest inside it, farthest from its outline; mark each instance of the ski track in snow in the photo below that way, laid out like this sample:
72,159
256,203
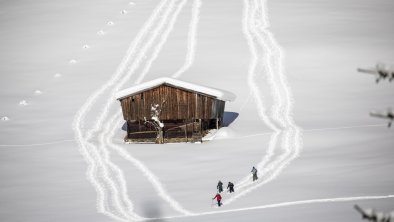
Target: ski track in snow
192,39
93,158
139,165
105,176
160,44
257,96
188,62
108,179
267,54
286,204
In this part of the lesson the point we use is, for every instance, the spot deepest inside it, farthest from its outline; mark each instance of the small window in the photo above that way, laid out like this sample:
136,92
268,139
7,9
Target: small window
142,96
132,99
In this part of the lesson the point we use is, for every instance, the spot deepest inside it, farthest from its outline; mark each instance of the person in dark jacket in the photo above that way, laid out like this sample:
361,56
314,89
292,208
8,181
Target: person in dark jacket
218,198
220,186
254,172
230,187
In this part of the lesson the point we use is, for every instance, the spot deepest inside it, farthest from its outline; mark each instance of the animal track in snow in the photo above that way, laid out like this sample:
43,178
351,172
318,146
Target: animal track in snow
38,92
72,61
86,46
5,118
123,12
57,75
101,32
110,23
23,103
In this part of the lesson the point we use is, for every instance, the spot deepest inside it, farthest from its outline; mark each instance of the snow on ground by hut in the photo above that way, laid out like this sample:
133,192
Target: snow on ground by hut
300,115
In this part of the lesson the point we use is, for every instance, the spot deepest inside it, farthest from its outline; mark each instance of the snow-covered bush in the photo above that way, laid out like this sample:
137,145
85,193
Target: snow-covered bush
155,122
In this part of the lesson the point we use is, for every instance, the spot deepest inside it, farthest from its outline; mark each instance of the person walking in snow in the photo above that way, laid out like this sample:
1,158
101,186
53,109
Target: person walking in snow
254,172
218,198
230,187
220,186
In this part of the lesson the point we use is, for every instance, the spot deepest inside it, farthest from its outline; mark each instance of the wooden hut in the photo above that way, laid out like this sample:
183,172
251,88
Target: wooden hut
169,110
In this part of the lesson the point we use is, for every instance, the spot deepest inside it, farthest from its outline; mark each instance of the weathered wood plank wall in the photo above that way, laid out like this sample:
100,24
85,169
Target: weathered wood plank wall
175,104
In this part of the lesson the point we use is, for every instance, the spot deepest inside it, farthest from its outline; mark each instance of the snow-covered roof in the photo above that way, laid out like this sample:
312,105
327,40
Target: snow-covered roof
217,93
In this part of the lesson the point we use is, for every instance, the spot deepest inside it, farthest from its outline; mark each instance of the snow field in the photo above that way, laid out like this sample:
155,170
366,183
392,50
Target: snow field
280,119
187,64
99,140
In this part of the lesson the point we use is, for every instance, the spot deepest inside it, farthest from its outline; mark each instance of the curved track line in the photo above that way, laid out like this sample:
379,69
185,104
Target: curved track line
89,152
139,165
282,107
78,120
163,39
192,39
189,60
295,133
255,93
285,204
150,175
122,200
134,66
285,107
89,135
157,49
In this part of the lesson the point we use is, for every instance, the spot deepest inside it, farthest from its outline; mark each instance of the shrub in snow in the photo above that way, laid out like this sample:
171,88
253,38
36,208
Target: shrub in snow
155,122
155,112
23,103
4,118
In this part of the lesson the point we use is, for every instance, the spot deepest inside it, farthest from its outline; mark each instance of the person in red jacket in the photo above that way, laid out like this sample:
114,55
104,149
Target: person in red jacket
218,198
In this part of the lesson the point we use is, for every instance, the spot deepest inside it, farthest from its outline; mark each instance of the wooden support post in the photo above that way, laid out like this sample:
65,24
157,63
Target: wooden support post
184,121
128,130
200,125
217,123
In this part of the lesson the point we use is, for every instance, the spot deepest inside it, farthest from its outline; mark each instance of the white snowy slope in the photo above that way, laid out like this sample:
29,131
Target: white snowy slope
300,115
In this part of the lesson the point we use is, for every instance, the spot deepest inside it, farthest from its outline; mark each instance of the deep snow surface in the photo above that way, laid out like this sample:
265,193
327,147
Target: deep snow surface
301,113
